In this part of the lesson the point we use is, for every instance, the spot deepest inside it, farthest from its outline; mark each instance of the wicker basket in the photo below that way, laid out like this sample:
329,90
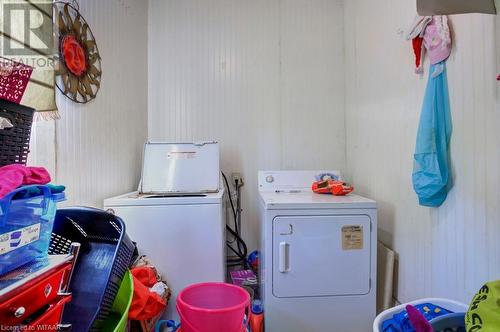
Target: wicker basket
15,142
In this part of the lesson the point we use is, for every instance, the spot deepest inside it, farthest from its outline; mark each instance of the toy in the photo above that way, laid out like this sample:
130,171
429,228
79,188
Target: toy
337,188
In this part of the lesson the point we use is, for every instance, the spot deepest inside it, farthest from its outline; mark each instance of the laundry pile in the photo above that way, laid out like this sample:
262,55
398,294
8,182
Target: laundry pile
27,212
17,175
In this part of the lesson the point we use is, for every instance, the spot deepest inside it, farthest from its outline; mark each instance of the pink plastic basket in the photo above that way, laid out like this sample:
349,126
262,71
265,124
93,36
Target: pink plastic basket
213,307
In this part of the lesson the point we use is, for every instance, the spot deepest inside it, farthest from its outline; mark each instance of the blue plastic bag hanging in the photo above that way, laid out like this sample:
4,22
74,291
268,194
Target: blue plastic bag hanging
431,170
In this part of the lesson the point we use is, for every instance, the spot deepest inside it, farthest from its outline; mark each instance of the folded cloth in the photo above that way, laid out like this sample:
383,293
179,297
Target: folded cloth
36,191
16,175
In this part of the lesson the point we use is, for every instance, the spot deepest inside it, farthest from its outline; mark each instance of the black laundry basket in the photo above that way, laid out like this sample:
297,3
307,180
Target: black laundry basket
105,255
15,141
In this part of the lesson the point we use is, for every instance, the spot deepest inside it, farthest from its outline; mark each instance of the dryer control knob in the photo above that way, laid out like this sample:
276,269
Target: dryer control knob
269,179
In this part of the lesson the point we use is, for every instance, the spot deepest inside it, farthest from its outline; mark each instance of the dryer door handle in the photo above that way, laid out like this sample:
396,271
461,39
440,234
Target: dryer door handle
284,259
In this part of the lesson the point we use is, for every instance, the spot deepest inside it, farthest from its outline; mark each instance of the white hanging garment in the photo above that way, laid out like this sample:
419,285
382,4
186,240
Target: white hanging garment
417,28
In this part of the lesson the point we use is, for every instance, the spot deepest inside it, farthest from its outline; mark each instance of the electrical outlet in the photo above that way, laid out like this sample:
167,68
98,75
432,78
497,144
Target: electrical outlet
237,177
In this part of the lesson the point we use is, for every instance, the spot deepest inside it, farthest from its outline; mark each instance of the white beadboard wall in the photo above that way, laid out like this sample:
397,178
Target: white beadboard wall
264,78
452,250
95,148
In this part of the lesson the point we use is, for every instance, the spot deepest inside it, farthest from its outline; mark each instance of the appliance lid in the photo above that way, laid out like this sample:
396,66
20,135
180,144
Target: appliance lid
306,199
180,168
137,199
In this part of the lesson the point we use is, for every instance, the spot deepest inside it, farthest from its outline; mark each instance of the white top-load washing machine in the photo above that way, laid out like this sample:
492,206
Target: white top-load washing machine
180,223
319,256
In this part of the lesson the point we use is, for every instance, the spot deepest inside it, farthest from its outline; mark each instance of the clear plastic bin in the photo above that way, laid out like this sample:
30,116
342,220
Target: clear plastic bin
26,226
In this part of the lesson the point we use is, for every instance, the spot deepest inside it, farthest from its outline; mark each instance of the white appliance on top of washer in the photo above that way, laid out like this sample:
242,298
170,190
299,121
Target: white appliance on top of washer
319,256
181,226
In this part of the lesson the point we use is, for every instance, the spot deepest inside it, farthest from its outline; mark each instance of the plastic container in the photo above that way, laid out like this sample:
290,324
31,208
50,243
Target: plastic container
104,258
15,141
444,303
117,320
257,317
452,322
26,226
213,307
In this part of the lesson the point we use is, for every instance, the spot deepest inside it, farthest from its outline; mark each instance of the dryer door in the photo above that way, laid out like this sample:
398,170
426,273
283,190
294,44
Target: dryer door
321,255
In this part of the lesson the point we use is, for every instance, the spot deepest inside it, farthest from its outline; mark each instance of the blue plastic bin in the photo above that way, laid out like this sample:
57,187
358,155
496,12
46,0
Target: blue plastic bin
26,226
105,256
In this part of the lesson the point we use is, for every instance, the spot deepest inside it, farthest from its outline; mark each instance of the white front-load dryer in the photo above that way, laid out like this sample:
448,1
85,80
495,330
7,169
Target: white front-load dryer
318,269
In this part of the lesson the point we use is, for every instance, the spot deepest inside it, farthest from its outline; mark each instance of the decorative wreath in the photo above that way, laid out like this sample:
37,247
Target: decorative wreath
78,71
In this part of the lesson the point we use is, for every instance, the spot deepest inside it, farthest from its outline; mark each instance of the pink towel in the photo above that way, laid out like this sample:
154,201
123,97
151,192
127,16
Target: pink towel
417,320
16,175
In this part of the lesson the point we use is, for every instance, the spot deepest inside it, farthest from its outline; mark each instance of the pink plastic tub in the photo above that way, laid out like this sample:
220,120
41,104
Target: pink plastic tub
213,307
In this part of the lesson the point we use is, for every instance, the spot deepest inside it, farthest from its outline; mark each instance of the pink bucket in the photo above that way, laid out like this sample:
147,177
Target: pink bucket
213,307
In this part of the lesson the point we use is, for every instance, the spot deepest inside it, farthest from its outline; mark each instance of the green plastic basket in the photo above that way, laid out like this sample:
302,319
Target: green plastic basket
117,319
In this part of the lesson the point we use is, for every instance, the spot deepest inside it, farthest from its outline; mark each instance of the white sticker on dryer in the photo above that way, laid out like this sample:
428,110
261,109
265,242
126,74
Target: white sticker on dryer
352,237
